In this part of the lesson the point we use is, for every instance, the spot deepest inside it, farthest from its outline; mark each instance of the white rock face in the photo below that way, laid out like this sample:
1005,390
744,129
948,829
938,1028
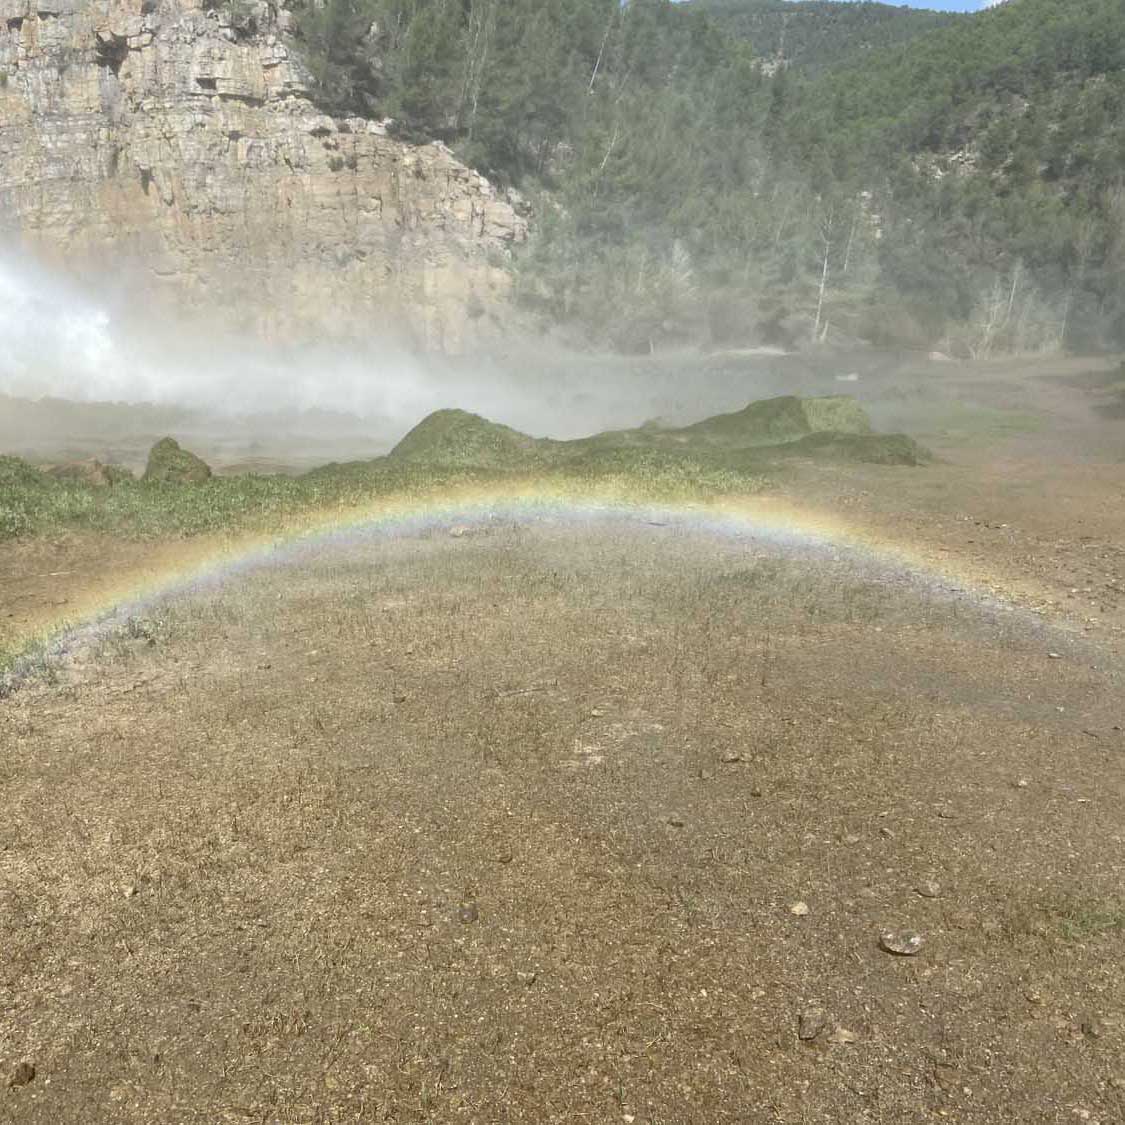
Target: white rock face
163,137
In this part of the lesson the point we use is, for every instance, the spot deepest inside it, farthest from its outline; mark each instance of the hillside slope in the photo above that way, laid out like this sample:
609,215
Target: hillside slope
1000,140
814,34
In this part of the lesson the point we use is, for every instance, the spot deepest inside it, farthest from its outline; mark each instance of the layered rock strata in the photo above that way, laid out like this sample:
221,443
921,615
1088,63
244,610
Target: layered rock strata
176,142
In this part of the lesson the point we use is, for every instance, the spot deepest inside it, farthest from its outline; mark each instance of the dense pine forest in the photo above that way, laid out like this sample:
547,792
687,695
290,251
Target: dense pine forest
817,33
730,172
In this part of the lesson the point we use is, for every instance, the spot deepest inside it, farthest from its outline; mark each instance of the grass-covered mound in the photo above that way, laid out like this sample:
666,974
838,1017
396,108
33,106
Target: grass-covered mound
773,421
451,449
456,437
872,449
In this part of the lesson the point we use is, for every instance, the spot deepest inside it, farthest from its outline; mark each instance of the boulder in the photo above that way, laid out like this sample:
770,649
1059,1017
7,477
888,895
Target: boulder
169,464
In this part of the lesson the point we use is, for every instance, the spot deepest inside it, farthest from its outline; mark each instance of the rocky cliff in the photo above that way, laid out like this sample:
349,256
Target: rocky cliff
177,139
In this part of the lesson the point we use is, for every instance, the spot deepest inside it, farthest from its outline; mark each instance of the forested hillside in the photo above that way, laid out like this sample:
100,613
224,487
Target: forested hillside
816,33
962,188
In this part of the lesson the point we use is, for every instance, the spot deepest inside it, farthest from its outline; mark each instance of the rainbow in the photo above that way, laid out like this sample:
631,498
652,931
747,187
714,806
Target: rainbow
195,565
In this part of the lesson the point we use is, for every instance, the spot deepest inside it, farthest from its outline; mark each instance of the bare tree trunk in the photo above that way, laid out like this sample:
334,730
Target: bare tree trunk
851,239
826,235
1017,270
610,147
479,61
991,324
820,294
782,223
601,51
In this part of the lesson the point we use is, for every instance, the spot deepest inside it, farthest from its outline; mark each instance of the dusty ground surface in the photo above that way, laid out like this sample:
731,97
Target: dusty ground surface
514,825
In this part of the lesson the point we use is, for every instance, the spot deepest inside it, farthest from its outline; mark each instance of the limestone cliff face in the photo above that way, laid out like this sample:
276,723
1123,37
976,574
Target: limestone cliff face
179,138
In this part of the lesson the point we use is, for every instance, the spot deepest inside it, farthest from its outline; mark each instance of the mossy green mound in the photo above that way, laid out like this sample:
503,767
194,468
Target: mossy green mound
449,450
872,449
168,463
786,418
840,414
456,437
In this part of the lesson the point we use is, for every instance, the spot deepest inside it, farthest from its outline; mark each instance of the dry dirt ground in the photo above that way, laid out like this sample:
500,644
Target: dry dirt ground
565,822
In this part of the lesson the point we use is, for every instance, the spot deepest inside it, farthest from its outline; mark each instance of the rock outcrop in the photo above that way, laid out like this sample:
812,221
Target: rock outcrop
175,138
170,463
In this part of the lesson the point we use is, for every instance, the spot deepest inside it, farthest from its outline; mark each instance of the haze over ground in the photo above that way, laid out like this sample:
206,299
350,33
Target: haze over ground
60,340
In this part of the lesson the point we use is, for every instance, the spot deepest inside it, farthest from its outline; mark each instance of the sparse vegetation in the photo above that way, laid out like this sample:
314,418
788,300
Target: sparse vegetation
448,449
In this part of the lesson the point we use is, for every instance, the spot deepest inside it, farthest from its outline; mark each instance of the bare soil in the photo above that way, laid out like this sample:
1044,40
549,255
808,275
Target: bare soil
514,825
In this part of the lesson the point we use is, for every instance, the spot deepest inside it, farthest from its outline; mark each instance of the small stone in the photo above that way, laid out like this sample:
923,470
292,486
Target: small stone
800,909
504,855
1054,656
527,979
399,697
810,1024
706,775
129,890
756,791
886,833
676,820
729,757
23,1075
841,1036
458,531
468,913
1093,1029
928,888
1023,783
992,927
904,943
850,839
